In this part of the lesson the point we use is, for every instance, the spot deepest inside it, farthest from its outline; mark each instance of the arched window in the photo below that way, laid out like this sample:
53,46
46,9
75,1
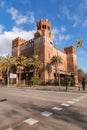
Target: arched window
42,26
48,28
45,26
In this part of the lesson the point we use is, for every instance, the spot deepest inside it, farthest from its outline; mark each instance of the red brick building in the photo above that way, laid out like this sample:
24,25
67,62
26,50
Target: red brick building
42,45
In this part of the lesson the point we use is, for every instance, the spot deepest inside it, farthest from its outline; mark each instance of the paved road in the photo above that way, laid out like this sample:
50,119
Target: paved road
27,109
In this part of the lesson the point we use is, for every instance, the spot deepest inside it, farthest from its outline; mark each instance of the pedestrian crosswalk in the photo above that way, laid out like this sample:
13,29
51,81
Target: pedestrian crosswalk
31,121
76,100
9,129
46,113
57,108
70,102
65,104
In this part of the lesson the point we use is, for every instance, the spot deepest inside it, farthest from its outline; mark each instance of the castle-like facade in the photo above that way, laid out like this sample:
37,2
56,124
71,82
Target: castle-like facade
42,45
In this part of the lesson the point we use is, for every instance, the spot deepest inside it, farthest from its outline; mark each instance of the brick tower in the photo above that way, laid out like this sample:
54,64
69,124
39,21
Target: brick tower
16,43
43,44
71,61
43,29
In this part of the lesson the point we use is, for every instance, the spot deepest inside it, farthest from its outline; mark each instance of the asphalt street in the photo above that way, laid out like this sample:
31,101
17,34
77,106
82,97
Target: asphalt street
36,109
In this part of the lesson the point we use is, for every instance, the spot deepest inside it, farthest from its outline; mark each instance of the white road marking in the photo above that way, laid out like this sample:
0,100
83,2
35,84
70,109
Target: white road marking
31,121
84,96
76,100
9,129
71,102
46,113
57,108
64,104
80,98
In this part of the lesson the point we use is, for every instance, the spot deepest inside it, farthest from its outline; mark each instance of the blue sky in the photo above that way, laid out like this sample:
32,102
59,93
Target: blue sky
68,20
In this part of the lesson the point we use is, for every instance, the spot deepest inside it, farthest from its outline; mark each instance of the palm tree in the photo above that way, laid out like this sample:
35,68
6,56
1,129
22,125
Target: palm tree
56,61
21,63
1,63
35,63
13,68
49,70
6,65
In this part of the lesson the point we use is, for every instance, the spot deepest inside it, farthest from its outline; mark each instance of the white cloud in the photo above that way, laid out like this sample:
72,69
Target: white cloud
85,23
81,52
60,39
31,18
67,37
19,18
66,12
63,29
1,28
7,37
64,37
76,20
55,32
58,35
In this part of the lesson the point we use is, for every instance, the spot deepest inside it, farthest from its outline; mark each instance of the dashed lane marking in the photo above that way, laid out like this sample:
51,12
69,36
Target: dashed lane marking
80,98
71,102
9,129
57,108
75,100
46,113
65,104
31,121
83,96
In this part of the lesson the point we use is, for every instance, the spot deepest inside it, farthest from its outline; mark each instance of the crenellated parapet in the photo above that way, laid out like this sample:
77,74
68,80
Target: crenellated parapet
43,29
71,58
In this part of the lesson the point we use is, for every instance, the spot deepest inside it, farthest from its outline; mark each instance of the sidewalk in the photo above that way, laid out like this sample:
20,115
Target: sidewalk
59,88
52,88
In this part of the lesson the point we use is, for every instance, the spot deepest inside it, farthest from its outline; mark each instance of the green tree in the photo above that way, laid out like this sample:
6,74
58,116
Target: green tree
13,68
1,63
49,70
7,62
81,74
35,63
21,64
56,61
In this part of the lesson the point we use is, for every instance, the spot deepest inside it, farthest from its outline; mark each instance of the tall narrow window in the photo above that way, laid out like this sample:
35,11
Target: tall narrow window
45,26
49,55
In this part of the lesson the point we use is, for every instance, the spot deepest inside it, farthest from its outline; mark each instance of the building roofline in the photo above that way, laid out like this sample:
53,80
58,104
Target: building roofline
69,47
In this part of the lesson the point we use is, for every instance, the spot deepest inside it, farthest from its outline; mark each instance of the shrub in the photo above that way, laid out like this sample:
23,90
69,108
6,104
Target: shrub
35,80
50,82
56,82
